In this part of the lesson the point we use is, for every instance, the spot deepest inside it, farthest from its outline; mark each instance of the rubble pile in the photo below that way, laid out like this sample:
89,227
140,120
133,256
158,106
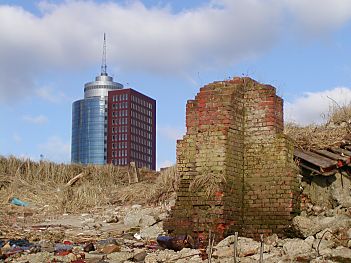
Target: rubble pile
130,234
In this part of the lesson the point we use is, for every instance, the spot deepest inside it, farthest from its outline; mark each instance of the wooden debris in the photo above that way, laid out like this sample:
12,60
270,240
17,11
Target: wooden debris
75,179
133,173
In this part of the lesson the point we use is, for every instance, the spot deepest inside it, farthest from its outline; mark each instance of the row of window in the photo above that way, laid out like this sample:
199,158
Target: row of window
141,102
120,97
119,145
99,87
122,161
140,148
121,105
120,129
120,113
141,109
120,137
142,117
134,154
120,153
141,157
141,133
141,125
120,121
140,140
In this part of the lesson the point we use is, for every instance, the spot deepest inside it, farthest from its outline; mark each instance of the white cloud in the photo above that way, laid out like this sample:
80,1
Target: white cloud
69,35
40,119
55,149
319,16
169,132
313,107
50,95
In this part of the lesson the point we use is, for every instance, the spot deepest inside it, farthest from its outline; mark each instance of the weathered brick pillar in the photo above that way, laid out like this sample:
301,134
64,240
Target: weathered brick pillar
270,181
235,165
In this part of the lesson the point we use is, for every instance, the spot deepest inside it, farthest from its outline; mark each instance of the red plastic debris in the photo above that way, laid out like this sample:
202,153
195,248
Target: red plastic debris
63,253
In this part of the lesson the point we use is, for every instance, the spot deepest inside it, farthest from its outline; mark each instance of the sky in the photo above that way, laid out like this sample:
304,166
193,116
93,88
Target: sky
166,50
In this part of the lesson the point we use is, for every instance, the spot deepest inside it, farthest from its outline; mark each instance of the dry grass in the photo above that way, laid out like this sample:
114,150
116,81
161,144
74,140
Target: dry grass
207,183
315,136
334,132
160,189
43,185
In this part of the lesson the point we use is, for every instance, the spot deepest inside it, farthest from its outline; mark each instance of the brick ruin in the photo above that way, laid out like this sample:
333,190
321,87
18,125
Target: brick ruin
235,164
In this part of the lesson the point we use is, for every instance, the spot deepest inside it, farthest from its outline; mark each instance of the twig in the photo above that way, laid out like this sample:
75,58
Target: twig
235,246
262,248
209,247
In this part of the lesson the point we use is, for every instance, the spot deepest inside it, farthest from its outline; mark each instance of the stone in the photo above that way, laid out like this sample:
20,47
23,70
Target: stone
320,244
271,240
340,191
5,248
274,256
294,247
247,247
102,243
226,242
110,248
349,233
119,257
139,218
325,234
37,257
309,226
151,232
186,255
112,219
304,226
140,257
147,220
342,254
317,209
223,252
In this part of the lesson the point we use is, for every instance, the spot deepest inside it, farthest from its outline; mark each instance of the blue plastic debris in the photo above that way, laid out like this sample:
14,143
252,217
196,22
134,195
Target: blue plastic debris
16,201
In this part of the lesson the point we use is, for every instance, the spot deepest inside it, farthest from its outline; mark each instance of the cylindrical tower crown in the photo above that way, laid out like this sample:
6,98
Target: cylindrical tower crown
101,86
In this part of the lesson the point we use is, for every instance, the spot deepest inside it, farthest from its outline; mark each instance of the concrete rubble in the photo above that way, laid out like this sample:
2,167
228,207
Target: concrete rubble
324,238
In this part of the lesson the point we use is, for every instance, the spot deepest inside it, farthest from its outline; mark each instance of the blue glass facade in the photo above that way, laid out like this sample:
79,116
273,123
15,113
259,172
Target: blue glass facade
88,131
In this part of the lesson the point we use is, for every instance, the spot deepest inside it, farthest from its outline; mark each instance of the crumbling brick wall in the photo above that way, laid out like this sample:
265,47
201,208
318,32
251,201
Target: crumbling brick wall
235,165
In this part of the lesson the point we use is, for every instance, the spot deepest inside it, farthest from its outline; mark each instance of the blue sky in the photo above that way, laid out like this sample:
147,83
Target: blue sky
167,50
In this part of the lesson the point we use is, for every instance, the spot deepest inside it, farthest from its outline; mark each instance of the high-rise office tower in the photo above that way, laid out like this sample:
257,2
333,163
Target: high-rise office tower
131,125
112,124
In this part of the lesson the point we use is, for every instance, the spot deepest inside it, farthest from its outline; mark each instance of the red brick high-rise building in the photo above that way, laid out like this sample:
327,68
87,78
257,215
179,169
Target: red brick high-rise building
131,128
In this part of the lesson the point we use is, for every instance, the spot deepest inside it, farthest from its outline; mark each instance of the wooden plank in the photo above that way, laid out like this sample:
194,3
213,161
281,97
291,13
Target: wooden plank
314,171
331,155
313,158
341,151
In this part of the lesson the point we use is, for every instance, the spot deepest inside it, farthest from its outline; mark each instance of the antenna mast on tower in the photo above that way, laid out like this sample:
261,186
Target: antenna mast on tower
103,64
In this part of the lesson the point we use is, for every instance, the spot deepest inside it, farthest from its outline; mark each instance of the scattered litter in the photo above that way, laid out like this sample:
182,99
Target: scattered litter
18,202
63,247
89,247
137,236
176,243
